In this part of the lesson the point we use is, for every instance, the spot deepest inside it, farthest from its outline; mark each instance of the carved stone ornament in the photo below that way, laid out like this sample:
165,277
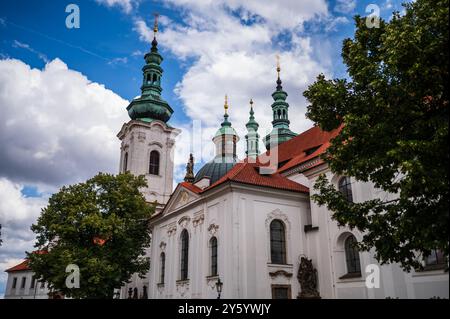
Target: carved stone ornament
212,229
171,230
162,246
198,220
307,277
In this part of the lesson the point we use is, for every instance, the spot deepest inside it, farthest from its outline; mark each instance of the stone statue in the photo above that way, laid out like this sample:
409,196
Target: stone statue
307,277
189,177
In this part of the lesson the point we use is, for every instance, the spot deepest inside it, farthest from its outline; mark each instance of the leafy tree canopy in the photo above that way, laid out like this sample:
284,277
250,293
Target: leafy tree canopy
102,227
393,109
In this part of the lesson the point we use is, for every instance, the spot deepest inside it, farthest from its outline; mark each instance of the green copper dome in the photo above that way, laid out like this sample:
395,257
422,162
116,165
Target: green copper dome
215,169
150,105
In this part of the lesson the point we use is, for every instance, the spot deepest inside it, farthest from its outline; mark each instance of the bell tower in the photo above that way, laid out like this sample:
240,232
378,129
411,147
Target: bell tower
147,140
280,132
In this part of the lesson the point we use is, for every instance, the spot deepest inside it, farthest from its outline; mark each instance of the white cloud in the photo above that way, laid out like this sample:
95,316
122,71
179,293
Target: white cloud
233,55
56,127
345,6
281,14
17,214
126,5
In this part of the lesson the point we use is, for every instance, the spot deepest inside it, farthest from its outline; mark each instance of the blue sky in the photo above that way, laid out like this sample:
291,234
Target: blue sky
63,92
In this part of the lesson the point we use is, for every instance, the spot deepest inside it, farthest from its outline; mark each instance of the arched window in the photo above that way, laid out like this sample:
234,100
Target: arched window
279,114
345,187
284,114
154,78
352,255
125,162
184,255
163,268
149,78
277,242
213,245
154,163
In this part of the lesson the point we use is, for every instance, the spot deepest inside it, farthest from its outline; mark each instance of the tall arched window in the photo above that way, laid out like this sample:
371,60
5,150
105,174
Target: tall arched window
213,245
163,268
277,242
345,187
352,255
154,163
184,255
125,162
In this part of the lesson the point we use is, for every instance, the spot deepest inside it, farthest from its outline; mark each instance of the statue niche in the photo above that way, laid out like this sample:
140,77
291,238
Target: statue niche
307,277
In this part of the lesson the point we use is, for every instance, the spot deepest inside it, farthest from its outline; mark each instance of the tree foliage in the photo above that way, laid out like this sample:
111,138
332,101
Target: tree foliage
101,226
394,115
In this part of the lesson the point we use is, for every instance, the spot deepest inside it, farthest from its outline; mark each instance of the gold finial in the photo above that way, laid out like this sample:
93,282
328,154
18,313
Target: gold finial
278,65
155,26
225,106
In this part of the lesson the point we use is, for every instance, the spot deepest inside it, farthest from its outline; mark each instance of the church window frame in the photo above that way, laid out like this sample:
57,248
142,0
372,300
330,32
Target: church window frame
125,162
345,187
352,256
162,265
184,255
278,242
213,249
154,162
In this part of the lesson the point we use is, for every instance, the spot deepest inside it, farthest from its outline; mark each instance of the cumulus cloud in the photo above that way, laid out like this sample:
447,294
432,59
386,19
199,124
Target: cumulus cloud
17,214
56,126
233,45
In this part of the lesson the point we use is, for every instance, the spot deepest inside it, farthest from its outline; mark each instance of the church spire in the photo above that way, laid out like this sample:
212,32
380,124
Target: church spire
279,87
225,115
225,139
280,132
252,137
150,105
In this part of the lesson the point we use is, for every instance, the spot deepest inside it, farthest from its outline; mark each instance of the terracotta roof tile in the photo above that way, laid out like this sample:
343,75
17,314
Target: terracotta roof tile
248,173
24,264
20,267
191,187
290,154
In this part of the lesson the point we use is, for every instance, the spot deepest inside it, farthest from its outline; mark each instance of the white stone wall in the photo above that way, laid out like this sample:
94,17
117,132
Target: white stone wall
139,139
38,292
326,250
239,218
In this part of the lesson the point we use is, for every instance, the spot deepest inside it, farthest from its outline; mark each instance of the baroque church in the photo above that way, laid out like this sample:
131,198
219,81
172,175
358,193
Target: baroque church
248,228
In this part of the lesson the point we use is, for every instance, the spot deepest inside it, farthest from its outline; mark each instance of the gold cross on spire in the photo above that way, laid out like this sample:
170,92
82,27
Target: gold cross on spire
155,26
225,106
278,65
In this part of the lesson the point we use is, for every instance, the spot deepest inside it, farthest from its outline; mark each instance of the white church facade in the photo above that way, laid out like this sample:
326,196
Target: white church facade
248,223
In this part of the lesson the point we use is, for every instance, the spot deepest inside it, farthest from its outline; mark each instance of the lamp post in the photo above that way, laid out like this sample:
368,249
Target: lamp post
219,285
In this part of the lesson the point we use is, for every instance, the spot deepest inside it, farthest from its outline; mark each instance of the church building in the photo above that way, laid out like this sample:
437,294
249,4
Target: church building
250,227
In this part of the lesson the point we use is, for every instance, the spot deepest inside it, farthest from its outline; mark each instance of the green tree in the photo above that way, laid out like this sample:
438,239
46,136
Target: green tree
101,226
393,110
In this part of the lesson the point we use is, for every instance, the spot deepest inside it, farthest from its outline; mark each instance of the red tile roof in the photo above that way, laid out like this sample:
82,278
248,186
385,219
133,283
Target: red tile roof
290,154
295,148
20,267
248,173
191,187
24,264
